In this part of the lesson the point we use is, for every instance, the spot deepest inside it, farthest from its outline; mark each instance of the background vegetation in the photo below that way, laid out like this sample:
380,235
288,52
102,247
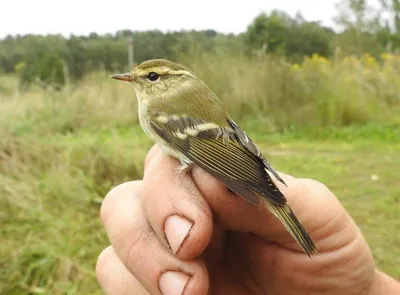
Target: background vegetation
321,104
55,60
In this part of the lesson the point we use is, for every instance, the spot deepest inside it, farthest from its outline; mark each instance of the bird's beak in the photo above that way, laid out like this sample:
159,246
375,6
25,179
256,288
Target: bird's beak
127,77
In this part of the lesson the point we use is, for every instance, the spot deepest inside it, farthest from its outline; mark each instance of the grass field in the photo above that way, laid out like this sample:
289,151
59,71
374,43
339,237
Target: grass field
60,153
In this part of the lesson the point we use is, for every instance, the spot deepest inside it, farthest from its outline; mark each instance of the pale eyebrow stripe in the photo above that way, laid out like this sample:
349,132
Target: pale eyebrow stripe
181,72
166,71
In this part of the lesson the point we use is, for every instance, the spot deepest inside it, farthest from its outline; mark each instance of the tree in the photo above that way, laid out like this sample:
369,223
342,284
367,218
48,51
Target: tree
279,33
46,70
392,8
76,58
365,29
271,30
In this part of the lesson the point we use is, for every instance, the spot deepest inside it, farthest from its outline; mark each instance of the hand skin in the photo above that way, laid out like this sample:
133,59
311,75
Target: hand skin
185,233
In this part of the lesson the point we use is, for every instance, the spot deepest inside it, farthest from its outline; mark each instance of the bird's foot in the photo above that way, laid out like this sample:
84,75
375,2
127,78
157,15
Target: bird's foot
184,167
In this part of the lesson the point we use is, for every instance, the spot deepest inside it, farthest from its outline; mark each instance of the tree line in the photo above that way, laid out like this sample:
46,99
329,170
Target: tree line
52,59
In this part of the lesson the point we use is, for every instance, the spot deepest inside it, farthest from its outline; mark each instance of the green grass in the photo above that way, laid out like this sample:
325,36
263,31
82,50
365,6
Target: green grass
50,199
362,172
50,206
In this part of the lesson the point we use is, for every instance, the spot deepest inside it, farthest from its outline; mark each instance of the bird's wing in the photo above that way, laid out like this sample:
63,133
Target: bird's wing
220,152
247,143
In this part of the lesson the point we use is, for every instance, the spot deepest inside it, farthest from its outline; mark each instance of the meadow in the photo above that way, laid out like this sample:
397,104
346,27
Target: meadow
337,121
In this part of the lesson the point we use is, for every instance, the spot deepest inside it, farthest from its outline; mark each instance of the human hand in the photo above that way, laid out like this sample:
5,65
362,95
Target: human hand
186,233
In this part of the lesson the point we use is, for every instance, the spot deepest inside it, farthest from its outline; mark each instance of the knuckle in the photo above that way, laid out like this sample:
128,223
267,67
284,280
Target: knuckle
150,155
104,263
113,196
106,209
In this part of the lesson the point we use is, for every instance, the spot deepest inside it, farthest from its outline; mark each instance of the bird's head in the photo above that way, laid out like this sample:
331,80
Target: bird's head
158,78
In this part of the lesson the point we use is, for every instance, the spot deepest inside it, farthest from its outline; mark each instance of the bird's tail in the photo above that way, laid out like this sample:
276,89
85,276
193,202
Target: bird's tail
294,227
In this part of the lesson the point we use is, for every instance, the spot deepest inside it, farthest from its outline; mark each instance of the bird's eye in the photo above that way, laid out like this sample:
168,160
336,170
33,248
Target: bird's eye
152,76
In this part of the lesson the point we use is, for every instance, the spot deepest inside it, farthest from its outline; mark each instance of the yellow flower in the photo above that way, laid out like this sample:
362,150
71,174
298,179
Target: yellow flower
295,67
386,56
369,61
319,59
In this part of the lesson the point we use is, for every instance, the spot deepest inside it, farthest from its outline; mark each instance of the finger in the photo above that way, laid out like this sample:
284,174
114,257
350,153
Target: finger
175,208
139,249
150,155
114,277
314,205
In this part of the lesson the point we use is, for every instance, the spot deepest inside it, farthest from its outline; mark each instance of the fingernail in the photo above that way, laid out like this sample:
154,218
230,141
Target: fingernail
176,230
173,282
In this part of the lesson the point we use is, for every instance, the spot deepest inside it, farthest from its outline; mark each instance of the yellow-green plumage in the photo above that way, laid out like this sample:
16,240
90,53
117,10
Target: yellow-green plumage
293,226
180,113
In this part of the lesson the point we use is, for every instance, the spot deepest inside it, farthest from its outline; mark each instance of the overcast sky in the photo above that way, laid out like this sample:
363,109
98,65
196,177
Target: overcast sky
103,16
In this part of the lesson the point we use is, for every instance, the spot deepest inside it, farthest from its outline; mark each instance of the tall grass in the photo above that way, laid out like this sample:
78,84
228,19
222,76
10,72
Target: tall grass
59,155
60,152
318,92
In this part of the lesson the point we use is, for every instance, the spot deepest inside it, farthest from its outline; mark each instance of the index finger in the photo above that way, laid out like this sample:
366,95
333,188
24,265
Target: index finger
174,207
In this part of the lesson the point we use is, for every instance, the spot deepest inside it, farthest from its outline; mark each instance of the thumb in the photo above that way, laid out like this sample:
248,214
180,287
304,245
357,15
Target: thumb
312,202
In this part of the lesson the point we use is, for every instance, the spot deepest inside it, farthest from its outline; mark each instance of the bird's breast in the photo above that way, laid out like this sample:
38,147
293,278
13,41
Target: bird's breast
144,119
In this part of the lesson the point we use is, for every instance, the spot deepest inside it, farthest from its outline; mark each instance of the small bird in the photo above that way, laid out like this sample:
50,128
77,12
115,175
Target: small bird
185,117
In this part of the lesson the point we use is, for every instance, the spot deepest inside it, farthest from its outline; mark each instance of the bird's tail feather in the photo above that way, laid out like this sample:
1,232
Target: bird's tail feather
294,227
